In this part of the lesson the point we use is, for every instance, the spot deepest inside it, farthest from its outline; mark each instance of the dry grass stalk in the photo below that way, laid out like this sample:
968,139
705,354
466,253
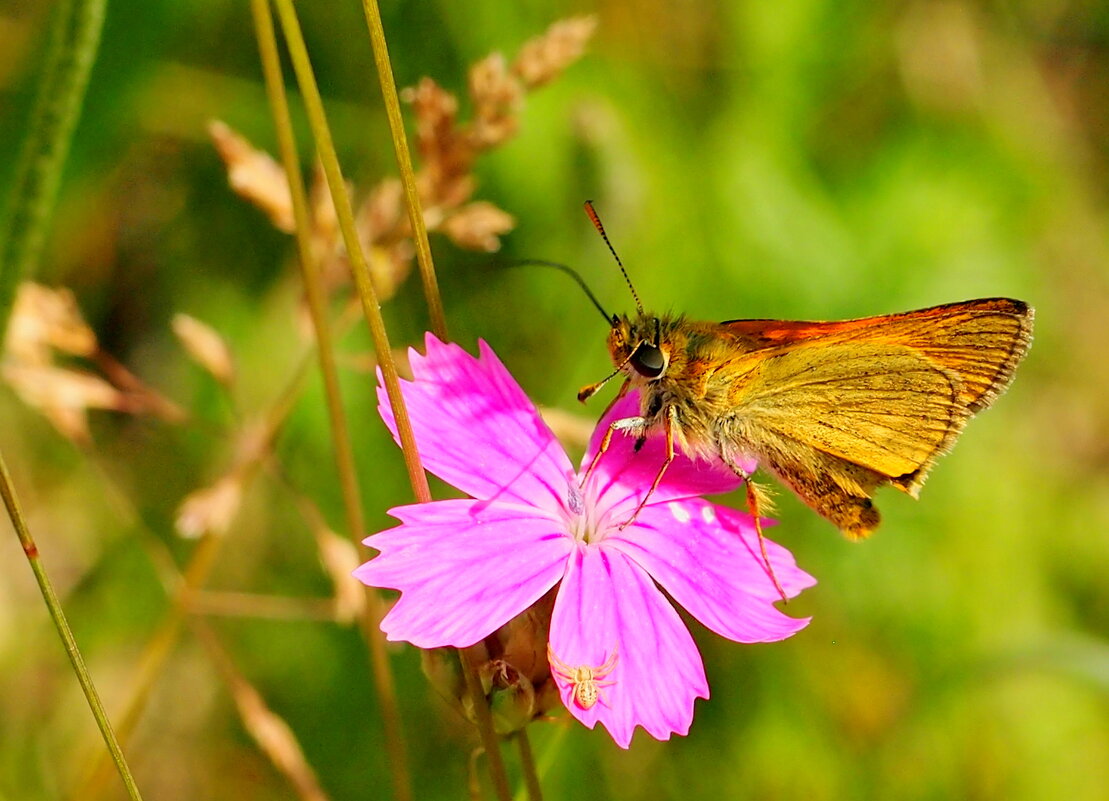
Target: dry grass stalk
243,605
448,149
212,509
268,729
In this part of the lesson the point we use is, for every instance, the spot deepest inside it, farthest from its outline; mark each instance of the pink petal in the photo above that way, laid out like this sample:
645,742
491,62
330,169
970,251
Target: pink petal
464,568
476,429
707,558
608,604
622,476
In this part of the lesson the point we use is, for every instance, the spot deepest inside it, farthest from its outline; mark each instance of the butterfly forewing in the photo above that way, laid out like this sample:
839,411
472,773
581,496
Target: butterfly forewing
834,409
980,340
837,409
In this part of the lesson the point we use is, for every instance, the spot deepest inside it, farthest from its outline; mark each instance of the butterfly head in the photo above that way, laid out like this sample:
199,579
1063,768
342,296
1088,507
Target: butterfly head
638,348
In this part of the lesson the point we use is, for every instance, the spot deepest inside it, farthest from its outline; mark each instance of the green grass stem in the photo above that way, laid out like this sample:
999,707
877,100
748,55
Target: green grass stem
340,431
74,42
15,512
404,164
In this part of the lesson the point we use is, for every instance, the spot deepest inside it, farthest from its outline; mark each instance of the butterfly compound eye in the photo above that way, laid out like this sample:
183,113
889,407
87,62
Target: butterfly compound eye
648,360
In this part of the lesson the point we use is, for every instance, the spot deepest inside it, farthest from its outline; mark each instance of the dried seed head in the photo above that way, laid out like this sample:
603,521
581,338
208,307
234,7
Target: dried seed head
211,510
339,559
543,58
478,226
44,318
46,321
205,346
64,396
445,182
254,175
436,110
497,95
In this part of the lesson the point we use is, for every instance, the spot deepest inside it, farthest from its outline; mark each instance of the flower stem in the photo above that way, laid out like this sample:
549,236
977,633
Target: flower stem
546,759
54,606
404,163
485,725
340,432
313,288
439,327
317,120
527,764
74,41
302,66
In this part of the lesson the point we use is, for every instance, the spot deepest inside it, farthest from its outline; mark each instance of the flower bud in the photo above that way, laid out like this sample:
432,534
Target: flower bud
512,667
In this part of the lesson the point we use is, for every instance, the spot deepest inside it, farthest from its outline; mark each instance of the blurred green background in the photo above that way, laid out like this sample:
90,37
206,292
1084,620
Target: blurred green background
799,159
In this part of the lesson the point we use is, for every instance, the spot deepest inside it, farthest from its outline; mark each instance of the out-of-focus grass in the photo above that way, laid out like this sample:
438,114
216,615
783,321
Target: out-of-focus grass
800,159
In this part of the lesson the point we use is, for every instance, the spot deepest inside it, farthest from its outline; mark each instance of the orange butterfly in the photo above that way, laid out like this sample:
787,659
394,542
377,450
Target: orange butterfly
832,409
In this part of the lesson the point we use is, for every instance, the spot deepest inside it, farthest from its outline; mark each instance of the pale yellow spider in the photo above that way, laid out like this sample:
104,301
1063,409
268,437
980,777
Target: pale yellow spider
587,681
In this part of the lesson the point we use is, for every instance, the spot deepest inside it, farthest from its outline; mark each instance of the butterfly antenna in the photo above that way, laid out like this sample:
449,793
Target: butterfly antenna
570,271
601,230
585,393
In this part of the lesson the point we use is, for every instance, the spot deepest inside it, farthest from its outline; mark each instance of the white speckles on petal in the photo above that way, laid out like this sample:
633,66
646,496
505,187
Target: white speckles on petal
681,514
708,514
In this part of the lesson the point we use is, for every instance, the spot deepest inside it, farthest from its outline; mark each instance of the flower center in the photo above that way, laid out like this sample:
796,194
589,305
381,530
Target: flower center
581,515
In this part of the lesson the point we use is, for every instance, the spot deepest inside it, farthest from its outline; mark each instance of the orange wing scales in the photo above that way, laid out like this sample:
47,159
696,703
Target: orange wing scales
955,335
837,409
833,409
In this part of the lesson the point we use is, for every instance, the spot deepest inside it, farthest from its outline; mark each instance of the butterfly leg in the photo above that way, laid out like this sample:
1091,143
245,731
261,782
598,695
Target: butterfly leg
635,424
611,430
754,500
753,508
669,428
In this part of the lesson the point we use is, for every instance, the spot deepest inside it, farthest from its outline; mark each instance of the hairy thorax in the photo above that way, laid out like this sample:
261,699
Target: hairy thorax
696,390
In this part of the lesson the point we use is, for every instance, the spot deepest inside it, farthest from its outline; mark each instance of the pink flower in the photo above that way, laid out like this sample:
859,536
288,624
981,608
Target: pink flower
466,567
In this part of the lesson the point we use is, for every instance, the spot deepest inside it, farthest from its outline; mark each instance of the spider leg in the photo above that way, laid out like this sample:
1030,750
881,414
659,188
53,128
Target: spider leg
555,662
607,667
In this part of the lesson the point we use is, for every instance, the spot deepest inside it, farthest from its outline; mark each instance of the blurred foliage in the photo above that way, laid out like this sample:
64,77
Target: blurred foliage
801,159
